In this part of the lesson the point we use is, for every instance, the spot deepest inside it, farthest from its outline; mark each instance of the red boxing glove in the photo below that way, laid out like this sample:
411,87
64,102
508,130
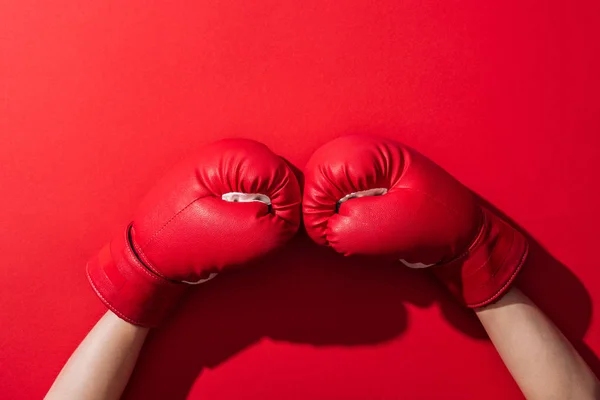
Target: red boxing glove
372,196
231,202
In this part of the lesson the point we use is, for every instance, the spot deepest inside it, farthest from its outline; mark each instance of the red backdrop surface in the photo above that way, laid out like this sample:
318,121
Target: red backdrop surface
97,98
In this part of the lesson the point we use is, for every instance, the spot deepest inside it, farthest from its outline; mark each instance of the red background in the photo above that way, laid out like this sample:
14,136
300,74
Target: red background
97,98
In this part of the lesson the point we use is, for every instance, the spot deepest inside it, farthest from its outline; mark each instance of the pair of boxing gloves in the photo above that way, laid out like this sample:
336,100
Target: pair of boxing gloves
235,200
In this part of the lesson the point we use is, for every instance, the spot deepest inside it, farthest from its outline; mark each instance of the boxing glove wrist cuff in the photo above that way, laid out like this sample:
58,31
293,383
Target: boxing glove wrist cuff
486,271
127,287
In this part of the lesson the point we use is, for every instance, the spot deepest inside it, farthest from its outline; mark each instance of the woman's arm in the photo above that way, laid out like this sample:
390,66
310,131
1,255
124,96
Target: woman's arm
541,360
100,367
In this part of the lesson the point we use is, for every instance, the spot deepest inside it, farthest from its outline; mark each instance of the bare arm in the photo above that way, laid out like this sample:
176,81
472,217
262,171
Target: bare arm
541,360
102,364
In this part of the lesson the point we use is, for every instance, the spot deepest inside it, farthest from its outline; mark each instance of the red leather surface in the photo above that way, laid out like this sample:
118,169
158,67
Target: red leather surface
100,98
425,216
127,287
184,230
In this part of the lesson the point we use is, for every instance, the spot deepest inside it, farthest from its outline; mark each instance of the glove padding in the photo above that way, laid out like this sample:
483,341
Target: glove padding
372,196
231,202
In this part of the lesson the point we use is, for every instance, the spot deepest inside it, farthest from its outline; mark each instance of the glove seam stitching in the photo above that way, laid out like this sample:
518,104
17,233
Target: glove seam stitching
508,282
153,237
108,303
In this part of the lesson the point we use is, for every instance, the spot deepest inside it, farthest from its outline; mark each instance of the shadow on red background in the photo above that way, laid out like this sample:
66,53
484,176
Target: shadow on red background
310,295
